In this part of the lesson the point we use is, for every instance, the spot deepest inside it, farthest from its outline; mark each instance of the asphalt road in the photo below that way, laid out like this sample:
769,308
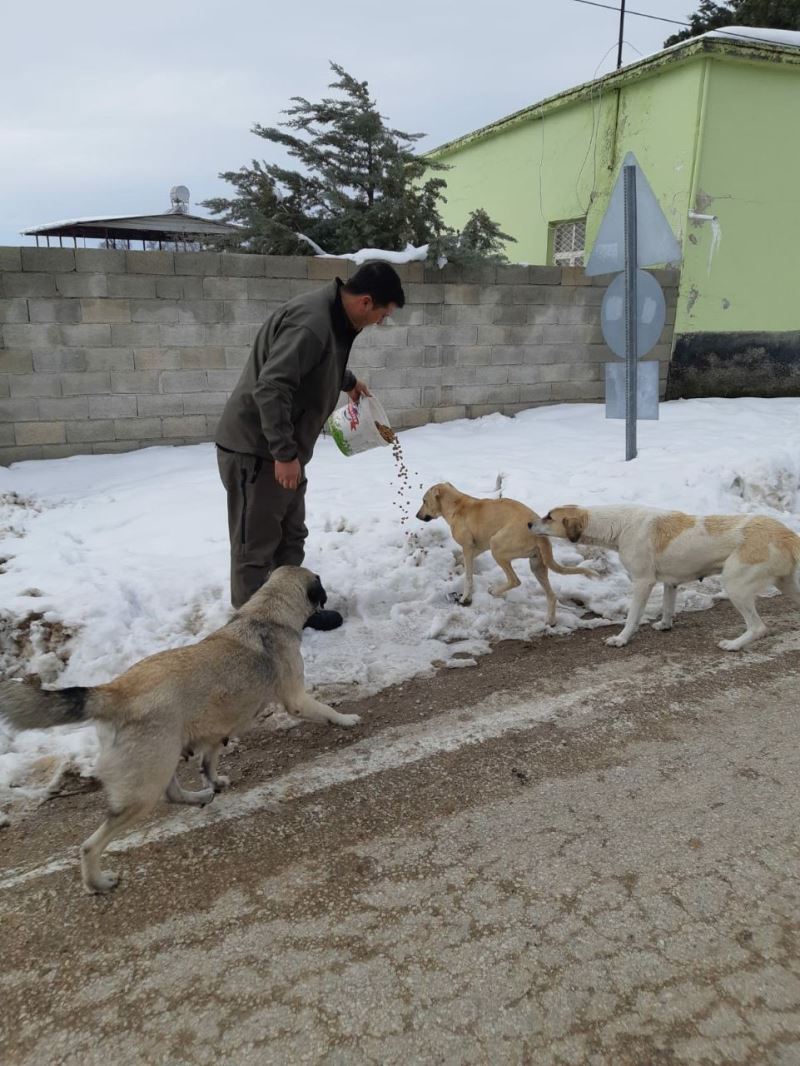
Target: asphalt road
567,854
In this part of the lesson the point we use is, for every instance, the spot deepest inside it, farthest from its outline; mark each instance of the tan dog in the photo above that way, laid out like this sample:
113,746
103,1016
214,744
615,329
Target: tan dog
186,699
751,553
498,526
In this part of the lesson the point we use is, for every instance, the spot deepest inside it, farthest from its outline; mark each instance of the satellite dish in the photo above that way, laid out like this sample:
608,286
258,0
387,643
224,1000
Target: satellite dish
179,197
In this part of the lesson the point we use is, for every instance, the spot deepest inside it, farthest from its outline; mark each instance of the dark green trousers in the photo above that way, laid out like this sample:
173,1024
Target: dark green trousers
266,523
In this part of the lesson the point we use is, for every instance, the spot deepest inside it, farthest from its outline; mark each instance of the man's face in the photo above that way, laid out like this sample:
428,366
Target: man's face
370,314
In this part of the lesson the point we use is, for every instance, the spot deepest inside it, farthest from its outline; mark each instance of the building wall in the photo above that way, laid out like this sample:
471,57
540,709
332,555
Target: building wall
109,350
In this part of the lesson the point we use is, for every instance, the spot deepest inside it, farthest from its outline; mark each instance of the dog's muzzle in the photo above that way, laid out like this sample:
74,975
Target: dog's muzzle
424,517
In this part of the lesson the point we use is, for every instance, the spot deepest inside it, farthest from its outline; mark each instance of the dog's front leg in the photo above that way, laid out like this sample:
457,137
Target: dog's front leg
305,706
668,610
641,591
469,570
209,770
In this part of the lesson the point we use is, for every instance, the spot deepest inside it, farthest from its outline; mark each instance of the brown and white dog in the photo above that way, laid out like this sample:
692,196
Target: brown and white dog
498,526
751,553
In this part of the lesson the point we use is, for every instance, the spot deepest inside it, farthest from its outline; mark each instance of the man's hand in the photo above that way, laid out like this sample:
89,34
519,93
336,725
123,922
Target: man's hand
288,474
358,390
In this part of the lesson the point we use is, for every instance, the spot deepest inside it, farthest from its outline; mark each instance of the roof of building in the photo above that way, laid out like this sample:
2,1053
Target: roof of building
731,41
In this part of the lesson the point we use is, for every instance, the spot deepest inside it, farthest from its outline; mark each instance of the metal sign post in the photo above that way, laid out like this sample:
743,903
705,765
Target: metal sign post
631,304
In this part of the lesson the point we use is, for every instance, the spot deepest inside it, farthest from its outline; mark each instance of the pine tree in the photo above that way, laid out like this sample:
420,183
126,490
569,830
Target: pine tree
768,14
361,185
480,241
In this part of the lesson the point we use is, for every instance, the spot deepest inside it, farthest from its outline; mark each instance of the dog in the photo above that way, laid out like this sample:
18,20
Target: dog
498,526
188,699
751,553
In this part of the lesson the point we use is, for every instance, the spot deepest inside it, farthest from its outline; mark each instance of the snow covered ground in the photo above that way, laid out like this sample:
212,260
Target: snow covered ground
106,559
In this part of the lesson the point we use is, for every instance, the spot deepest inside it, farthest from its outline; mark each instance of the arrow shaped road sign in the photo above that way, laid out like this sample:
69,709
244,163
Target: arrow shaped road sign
655,242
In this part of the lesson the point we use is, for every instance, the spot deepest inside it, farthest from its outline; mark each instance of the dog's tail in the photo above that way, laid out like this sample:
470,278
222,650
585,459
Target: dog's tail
545,549
26,705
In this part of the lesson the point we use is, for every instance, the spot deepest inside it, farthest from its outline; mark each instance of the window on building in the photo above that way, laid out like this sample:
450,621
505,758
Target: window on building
568,242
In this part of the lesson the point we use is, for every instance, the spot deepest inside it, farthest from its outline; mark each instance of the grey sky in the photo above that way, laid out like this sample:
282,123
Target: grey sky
105,107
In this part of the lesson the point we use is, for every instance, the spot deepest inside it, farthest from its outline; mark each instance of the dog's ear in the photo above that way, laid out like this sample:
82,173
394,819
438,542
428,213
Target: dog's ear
436,491
573,527
316,593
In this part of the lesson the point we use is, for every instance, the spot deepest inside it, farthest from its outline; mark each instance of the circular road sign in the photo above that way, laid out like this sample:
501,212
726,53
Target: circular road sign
650,314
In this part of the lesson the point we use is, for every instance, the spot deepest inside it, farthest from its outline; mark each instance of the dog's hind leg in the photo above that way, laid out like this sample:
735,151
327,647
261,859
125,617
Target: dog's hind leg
788,586
95,879
668,608
176,793
209,768
641,591
742,586
304,706
512,581
539,571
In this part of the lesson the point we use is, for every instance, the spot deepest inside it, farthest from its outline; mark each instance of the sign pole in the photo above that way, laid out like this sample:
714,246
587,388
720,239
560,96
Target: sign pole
631,345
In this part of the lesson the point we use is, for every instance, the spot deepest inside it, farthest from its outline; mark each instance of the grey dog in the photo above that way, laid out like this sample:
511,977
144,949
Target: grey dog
191,698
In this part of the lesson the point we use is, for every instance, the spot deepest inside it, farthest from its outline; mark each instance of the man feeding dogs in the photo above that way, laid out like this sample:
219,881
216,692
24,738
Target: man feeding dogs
271,422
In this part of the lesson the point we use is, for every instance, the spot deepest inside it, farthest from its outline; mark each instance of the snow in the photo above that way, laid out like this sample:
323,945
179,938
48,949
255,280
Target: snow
789,38
410,254
111,558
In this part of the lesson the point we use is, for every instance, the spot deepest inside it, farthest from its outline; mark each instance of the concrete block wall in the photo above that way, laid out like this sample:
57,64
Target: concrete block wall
109,350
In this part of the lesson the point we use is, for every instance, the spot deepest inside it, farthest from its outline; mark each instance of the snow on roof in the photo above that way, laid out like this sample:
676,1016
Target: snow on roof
788,38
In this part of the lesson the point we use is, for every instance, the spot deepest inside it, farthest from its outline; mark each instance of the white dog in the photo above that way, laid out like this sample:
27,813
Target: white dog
750,553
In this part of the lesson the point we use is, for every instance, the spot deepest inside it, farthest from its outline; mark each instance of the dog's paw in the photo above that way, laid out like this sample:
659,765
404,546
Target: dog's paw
616,642
662,626
729,645
347,721
222,782
464,601
104,882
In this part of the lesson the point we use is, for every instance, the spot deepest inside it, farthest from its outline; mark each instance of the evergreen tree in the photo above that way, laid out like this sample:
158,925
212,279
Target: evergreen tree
480,241
768,14
361,185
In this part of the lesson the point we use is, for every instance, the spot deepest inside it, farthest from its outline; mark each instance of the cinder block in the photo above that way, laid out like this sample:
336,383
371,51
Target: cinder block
576,315
510,334
158,358
32,335
5,391
497,294
286,266
449,413
442,335
572,334
186,426
199,263
79,286
388,378
14,311
131,287
87,335
137,428
159,406
433,314
403,357
201,312
62,451
575,276
473,355
572,372
59,360
20,455
56,310
539,314
181,336
6,434
575,391
204,403
135,380
203,359
241,264
135,335
544,275
93,383
509,314
89,431
433,356
424,294
270,290
115,446
412,419
235,357
494,394
34,385
226,335
50,260
112,406
222,380
242,311
325,269
462,294
181,288
185,380
226,288
16,360
105,310
366,356
25,285
535,393
161,311
26,433
466,314
528,373
66,408
493,375
459,375
98,359
150,262
212,421
398,398
512,274
100,261
10,259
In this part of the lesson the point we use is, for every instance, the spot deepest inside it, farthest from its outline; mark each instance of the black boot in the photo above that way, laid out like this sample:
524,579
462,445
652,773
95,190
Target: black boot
324,620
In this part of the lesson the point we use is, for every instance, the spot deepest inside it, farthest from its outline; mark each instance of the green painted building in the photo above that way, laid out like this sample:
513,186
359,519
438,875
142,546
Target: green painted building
715,124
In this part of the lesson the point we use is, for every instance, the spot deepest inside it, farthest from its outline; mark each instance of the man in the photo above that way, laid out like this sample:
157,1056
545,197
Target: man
270,424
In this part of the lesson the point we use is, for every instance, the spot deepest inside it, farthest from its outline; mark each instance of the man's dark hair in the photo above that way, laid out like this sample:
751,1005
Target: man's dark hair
378,280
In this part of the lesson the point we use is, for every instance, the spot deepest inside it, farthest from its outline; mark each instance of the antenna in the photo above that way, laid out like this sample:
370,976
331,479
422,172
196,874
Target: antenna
179,198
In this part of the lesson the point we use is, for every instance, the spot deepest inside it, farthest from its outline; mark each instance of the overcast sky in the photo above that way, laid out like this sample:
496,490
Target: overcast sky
106,106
